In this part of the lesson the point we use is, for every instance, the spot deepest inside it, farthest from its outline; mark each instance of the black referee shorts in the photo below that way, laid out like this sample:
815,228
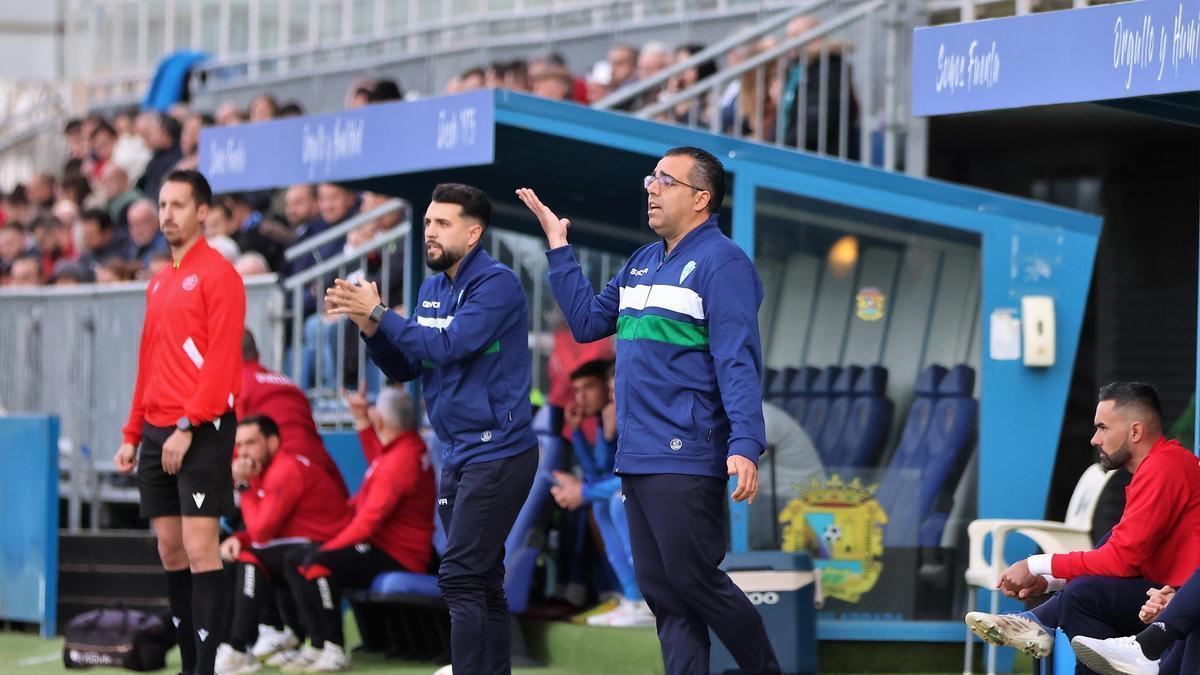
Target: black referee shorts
204,484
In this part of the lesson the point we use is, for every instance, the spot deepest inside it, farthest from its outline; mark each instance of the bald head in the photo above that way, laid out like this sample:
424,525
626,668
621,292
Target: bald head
113,180
143,222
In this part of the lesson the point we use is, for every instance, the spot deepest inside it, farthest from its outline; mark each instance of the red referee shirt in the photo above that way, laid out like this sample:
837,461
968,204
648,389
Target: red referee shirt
293,499
394,508
272,394
190,358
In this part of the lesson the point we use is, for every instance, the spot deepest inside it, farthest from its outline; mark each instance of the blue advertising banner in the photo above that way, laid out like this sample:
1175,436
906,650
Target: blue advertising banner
377,140
1124,50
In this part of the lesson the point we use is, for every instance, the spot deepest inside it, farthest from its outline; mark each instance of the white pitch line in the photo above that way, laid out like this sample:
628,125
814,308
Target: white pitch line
38,660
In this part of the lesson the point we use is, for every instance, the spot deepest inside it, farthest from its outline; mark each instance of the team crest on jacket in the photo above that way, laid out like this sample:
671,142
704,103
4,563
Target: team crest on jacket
190,282
687,269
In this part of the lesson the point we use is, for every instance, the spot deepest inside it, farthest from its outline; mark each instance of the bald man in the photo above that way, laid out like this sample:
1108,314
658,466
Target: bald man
143,230
119,194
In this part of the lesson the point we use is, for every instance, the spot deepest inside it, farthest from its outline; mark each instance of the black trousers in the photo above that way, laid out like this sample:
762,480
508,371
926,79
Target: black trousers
1183,615
677,528
259,586
478,504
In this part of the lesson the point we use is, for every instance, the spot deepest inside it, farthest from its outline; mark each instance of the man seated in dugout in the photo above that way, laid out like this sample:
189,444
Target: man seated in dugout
391,529
288,503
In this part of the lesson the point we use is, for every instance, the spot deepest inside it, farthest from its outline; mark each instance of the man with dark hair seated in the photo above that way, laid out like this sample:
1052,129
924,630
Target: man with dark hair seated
392,525
288,502
1152,545
601,488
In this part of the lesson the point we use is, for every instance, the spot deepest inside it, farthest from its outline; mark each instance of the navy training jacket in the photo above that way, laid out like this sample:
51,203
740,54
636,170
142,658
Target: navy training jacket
689,358
469,342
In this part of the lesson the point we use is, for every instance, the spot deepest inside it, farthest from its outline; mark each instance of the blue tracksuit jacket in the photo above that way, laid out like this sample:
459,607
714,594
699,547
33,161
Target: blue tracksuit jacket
468,340
689,360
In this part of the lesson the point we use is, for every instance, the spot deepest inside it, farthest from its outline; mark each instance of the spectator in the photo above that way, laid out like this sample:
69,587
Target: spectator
552,81
263,108
101,242
131,152
691,113
291,109
653,58
622,62
115,270
67,213
471,79
392,528
253,232
26,271
158,261
53,242
251,264
163,139
220,222
753,114
226,246
118,194
229,114
71,273
103,143
385,90
189,140
601,488
77,190
77,143
16,207
805,70
41,191
599,81
360,93
494,75
516,76
144,232
14,243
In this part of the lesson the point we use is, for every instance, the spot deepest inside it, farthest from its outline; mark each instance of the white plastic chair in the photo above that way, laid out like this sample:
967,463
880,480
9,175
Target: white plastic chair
1073,534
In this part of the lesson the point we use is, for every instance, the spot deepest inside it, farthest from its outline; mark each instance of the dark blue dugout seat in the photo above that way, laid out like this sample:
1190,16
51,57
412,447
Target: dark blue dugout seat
819,399
835,419
901,479
769,375
867,423
777,392
799,390
949,441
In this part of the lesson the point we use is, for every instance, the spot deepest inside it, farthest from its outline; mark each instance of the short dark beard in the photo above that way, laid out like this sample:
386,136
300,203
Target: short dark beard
1117,459
445,261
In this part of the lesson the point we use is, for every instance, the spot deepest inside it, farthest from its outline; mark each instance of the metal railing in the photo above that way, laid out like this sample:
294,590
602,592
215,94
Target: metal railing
72,352
834,89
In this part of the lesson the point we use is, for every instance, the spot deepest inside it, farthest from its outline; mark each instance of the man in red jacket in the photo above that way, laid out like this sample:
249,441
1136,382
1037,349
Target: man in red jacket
289,504
1152,545
272,394
392,527
189,373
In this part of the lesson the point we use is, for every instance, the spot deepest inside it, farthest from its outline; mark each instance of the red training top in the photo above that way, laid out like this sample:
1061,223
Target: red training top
272,394
1156,537
190,358
293,499
394,508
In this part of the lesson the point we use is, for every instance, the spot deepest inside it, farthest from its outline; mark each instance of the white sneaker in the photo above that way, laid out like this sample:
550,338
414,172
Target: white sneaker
304,658
1011,630
1115,656
272,641
281,659
444,670
631,614
603,618
232,662
333,659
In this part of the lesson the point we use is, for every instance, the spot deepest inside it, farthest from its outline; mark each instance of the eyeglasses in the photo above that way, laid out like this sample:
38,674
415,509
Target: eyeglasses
666,181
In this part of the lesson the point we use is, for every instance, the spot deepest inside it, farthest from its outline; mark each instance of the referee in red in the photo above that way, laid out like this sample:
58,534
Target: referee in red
182,414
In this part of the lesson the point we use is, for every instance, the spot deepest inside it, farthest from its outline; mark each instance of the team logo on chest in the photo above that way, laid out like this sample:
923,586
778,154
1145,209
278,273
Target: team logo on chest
687,270
190,282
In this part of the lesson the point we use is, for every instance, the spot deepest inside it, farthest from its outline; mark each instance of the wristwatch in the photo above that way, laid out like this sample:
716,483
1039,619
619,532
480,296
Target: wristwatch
378,312
184,424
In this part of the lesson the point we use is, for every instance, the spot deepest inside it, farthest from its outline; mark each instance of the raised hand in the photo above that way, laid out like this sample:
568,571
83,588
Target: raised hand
554,227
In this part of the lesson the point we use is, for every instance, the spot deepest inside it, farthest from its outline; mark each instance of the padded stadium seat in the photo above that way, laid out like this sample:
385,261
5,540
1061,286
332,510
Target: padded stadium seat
949,439
769,375
835,419
868,421
799,390
777,392
819,399
903,473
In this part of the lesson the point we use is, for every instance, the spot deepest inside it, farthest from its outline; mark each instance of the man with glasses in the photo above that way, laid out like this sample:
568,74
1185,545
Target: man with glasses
689,402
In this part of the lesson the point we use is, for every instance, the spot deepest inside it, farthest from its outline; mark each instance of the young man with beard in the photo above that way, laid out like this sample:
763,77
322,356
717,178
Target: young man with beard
1152,545
189,374
468,340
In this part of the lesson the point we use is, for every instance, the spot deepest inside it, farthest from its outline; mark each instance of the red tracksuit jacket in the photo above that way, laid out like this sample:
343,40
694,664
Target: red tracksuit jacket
274,395
394,508
1156,537
190,357
293,499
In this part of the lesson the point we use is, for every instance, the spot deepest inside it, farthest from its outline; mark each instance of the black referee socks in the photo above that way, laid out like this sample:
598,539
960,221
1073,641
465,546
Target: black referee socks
179,595
209,595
